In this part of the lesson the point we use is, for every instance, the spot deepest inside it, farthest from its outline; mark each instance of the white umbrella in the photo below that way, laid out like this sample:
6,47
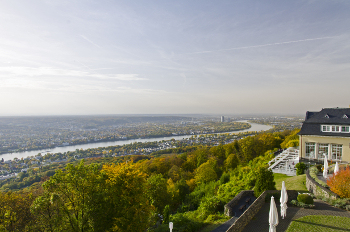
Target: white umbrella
273,216
336,169
283,200
171,226
325,167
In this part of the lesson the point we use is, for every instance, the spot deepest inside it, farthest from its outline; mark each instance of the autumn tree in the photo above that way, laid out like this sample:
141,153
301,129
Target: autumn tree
86,198
15,211
125,187
247,148
291,140
219,153
339,183
205,173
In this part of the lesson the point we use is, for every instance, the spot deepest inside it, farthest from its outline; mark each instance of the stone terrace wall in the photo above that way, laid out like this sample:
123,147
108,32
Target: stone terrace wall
229,206
317,189
254,208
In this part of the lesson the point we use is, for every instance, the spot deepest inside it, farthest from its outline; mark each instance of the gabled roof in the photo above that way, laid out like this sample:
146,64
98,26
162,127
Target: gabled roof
330,116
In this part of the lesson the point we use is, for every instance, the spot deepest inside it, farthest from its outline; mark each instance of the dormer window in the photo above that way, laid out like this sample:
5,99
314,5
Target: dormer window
326,116
345,116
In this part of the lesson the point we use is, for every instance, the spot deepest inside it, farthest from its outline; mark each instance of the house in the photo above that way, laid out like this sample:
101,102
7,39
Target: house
326,133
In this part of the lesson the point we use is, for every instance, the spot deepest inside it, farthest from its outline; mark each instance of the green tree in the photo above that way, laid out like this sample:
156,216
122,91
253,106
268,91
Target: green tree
79,195
247,148
231,162
202,156
47,213
157,192
183,189
205,173
264,181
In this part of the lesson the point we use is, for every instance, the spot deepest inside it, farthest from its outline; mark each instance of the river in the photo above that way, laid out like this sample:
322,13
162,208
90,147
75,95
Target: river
8,156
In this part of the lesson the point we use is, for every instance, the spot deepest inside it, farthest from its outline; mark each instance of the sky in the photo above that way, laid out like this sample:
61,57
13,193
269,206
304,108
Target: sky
82,57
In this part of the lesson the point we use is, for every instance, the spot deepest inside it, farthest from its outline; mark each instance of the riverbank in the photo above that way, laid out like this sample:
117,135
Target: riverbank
11,156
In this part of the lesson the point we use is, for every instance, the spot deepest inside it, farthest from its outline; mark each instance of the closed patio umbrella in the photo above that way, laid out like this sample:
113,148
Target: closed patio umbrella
336,169
283,200
325,167
273,216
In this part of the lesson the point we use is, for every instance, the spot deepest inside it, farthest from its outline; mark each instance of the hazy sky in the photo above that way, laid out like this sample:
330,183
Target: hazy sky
166,57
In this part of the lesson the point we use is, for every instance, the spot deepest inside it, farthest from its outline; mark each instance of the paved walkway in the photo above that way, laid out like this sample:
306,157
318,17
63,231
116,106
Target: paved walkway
261,220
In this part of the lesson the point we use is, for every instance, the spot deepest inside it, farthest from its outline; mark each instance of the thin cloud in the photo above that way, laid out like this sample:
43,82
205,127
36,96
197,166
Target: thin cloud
262,45
90,41
47,71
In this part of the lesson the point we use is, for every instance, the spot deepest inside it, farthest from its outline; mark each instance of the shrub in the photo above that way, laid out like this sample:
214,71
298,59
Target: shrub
210,205
301,204
319,167
337,183
313,171
300,168
294,202
306,199
264,181
340,203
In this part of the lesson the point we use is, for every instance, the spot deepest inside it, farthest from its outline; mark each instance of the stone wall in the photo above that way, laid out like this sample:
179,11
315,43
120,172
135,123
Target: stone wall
317,189
229,206
254,208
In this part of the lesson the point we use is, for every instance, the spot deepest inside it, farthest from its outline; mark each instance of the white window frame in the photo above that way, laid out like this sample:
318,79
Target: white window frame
310,149
337,151
335,128
322,149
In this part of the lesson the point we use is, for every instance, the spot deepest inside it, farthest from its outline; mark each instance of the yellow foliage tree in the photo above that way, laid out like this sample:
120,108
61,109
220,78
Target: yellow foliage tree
205,173
126,186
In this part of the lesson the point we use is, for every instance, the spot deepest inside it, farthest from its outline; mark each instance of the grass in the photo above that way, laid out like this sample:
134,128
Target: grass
292,182
320,223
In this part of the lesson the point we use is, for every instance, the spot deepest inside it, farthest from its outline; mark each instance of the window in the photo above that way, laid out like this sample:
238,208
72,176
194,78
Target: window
310,150
322,149
335,128
337,151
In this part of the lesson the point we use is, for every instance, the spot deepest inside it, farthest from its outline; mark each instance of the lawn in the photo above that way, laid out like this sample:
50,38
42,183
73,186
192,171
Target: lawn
292,182
320,223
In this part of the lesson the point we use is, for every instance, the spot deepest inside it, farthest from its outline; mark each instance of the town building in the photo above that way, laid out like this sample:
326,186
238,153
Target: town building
326,133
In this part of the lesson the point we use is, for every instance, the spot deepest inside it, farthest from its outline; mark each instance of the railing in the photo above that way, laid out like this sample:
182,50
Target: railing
280,162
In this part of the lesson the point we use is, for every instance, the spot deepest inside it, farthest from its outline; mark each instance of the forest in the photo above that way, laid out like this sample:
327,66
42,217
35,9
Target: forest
143,193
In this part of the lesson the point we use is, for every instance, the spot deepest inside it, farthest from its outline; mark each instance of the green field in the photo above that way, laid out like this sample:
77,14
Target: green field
292,182
320,223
